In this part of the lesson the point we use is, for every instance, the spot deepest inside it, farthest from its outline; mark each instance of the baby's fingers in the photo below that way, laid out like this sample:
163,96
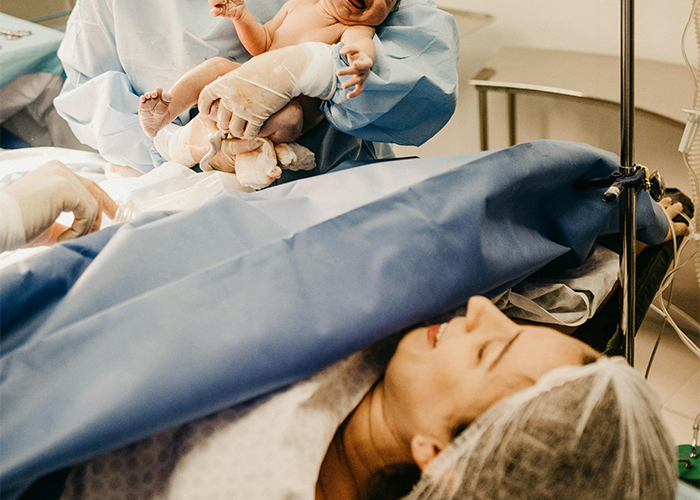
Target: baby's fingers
356,80
357,91
348,70
362,64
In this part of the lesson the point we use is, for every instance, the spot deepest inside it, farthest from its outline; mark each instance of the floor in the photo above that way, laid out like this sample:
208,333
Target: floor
674,374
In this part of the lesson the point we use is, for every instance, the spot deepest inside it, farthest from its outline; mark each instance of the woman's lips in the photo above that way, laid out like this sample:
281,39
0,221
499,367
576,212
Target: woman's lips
435,333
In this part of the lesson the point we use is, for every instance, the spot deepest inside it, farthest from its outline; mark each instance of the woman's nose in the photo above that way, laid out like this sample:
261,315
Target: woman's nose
484,317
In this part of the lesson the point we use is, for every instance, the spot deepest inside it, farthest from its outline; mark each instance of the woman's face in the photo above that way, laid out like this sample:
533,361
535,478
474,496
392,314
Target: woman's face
438,382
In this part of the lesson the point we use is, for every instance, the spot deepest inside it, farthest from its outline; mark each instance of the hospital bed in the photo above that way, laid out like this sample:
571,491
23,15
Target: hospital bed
334,256
32,75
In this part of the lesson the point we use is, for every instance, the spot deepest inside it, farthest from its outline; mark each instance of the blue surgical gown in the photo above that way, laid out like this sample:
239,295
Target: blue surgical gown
114,51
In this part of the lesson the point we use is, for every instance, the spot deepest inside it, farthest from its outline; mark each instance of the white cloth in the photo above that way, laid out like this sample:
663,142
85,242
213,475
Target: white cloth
269,449
569,297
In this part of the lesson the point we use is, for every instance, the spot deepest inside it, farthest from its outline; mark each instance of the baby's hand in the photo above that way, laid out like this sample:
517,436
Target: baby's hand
227,8
359,64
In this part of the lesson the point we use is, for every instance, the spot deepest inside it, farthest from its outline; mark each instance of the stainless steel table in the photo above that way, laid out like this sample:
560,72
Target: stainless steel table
662,89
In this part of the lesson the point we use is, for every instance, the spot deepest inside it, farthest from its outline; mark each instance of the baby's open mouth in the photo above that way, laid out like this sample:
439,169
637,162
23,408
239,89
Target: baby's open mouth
358,4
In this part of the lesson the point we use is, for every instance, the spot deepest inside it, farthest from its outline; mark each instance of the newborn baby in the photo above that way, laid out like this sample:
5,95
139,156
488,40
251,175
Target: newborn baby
327,21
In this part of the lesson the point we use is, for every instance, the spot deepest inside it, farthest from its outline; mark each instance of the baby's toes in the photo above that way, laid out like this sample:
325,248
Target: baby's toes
161,106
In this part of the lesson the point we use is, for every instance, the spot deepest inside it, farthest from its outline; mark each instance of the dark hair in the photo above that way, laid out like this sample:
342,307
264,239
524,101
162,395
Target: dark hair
393,482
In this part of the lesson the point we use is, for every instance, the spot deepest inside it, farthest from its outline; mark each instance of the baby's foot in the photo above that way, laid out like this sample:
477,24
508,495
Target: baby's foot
154,111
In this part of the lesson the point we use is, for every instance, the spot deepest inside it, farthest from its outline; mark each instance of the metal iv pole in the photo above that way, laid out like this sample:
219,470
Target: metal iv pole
625,182
628,208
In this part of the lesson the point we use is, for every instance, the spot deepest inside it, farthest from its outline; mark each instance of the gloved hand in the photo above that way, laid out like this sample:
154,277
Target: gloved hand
252,93
30,206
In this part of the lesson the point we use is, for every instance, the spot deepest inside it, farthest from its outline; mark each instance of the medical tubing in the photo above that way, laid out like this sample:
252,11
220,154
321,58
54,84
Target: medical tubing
126,210
663,312
658,294
668,282
692,157
690,150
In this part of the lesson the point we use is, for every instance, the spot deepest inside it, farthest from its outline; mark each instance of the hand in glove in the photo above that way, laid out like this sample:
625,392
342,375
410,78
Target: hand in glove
252,93
30,206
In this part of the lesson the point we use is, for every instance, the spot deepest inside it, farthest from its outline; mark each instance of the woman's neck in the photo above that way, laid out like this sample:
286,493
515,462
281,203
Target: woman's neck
363,445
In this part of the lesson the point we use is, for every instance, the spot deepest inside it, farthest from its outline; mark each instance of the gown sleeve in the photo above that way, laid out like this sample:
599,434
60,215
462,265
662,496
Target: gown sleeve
412,89
98,101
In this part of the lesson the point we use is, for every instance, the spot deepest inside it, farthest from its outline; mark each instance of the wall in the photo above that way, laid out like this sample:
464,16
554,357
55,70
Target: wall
585,25
38,9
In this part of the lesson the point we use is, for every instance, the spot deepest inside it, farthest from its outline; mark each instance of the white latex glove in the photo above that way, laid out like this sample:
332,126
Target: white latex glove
252,93
30,206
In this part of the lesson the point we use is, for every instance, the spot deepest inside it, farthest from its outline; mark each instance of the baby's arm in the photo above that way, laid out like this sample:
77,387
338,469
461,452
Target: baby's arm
255,37
360,51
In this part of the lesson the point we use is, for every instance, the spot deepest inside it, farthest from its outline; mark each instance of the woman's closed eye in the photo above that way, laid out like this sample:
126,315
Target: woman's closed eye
503,350
482,349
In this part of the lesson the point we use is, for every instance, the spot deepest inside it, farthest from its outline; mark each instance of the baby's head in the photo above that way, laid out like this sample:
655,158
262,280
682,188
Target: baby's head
364,12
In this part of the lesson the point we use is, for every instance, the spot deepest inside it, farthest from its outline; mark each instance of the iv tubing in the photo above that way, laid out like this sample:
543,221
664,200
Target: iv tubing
690,148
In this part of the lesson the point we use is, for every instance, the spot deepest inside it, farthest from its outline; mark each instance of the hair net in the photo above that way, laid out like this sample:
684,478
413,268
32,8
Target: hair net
585,432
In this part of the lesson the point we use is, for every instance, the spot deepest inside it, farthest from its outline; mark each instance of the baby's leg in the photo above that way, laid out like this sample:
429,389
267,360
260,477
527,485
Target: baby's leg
159,108
185,145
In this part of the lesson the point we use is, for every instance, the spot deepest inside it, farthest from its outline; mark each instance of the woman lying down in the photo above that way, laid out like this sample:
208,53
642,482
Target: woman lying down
477,408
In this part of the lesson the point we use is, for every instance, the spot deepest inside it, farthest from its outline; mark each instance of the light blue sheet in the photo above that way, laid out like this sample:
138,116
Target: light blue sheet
35,53
132,330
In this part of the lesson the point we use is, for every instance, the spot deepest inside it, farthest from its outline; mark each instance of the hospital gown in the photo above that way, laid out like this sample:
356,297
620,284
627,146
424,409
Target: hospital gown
115,51
270,449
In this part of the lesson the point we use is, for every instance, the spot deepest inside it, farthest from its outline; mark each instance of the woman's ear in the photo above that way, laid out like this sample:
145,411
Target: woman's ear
424,449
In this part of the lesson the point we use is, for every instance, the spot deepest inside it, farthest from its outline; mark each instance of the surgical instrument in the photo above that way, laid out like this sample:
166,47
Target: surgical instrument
13,35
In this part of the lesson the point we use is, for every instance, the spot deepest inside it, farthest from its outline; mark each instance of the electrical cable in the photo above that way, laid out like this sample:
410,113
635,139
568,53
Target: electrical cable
684,53
690,150
667,283
690,145
658,339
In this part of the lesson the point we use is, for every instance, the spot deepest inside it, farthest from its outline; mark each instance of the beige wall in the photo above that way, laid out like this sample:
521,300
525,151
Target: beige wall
34,9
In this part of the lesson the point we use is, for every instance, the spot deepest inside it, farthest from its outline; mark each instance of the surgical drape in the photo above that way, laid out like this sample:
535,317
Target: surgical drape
132,330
